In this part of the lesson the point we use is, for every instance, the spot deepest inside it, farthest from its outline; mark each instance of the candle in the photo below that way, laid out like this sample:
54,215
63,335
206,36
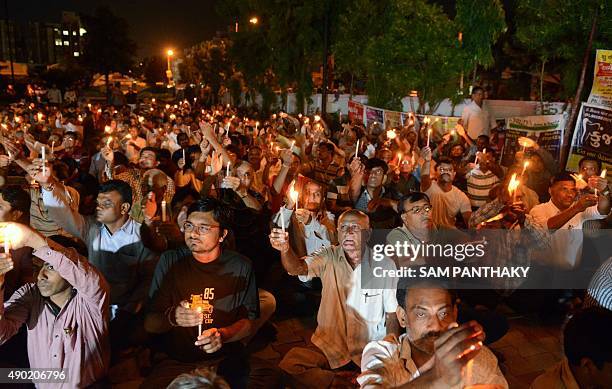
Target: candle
199,309
52,147
44,160
317,118
603,174
294,195
282,217
428,136
227,172
525,165
399,158
163,206
153,100
108,141
513,186
184,160
391,134
256,125
357,148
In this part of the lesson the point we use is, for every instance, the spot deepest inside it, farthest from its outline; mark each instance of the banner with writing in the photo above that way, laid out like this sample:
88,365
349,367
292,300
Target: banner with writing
355,112
392,119
601,92
374,115
545,130
592,136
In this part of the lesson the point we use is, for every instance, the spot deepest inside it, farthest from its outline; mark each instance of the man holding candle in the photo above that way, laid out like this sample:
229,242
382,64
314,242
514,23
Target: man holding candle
565,213
349,315
66,311
447,200
226,279
434,351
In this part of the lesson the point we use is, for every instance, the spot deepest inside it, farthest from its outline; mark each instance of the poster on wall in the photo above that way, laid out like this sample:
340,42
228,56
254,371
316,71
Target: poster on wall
374,115
601,92
592,136
545,130
355,112
392,119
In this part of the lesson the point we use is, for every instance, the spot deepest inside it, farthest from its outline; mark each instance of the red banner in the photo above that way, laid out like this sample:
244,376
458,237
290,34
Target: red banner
355,112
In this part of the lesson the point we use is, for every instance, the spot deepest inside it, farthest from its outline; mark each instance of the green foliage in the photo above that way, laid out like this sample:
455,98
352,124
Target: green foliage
481,22
557,31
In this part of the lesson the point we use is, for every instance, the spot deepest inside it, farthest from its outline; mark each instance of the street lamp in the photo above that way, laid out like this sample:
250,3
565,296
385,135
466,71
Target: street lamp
169,54
254,20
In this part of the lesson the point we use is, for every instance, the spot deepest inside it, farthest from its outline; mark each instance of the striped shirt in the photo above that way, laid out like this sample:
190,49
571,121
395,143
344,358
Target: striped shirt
479,185
600,288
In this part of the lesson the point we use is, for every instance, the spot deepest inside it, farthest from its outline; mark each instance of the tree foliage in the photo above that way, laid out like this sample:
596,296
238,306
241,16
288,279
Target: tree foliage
557,31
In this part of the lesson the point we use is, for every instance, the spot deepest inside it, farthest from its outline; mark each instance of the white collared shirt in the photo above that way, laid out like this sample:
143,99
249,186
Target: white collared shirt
477,121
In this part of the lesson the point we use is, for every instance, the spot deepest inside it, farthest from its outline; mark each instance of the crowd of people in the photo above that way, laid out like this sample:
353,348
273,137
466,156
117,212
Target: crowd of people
182,229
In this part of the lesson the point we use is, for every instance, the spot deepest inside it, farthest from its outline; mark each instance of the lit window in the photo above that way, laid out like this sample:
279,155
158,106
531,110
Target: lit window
76,54
58,42
74,33
66,43
65,32
82,31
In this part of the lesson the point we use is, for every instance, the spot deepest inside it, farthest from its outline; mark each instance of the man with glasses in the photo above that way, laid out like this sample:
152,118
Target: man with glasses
565,212
417,224
222,278
447,200
369,194
350,314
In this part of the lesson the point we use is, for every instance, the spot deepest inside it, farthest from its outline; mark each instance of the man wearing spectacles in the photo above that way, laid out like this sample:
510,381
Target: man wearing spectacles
417,224
225,279
349,315
447,200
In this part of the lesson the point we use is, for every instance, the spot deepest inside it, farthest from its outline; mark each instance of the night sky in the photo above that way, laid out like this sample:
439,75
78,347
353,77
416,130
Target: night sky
154,25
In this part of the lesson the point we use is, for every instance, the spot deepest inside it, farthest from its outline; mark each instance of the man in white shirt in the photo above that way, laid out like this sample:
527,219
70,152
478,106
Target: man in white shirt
350,314
565,212
447,200
134,143
434,350
477,120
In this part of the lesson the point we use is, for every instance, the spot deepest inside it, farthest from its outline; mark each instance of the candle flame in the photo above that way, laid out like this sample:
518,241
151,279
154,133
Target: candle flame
603,174
513,184
293,194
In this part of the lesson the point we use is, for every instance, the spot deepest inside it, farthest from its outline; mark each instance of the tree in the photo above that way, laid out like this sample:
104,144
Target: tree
108,47
154,69
480,22
564,34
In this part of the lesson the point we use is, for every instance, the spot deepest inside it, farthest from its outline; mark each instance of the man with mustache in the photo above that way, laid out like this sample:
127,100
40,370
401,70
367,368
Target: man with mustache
350,315
66,311
447,200
434,350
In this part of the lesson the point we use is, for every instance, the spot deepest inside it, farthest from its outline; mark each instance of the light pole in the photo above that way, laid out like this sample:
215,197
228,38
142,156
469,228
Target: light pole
254,20
169,54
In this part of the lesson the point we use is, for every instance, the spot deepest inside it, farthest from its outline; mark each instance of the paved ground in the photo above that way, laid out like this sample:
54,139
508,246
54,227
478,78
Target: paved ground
525,351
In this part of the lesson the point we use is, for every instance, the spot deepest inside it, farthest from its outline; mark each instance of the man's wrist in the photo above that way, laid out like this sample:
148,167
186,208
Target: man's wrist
37,241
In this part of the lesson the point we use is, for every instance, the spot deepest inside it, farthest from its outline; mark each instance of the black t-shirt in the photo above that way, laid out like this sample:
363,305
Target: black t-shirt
228,284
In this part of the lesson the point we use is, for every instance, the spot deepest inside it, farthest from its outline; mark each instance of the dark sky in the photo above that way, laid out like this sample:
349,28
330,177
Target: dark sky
154,25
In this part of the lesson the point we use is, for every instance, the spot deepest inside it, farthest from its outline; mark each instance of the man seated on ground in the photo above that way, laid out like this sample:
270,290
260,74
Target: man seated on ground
66,311
369,194
588,354
223,281
448,201
350,314
564,213
139,178
434,350
313,226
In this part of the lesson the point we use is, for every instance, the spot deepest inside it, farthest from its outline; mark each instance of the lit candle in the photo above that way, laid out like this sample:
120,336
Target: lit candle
153,100
184,160
525,165
108,141
399,158
163,206
44,161
513,186
256,125
282,217
357,148
391,134
52,147
199,309
227,172
603,174
317,118
428,136
294,195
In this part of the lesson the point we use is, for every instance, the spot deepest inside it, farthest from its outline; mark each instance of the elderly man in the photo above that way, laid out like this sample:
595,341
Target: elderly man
66,310
434,350
350,314
475,118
